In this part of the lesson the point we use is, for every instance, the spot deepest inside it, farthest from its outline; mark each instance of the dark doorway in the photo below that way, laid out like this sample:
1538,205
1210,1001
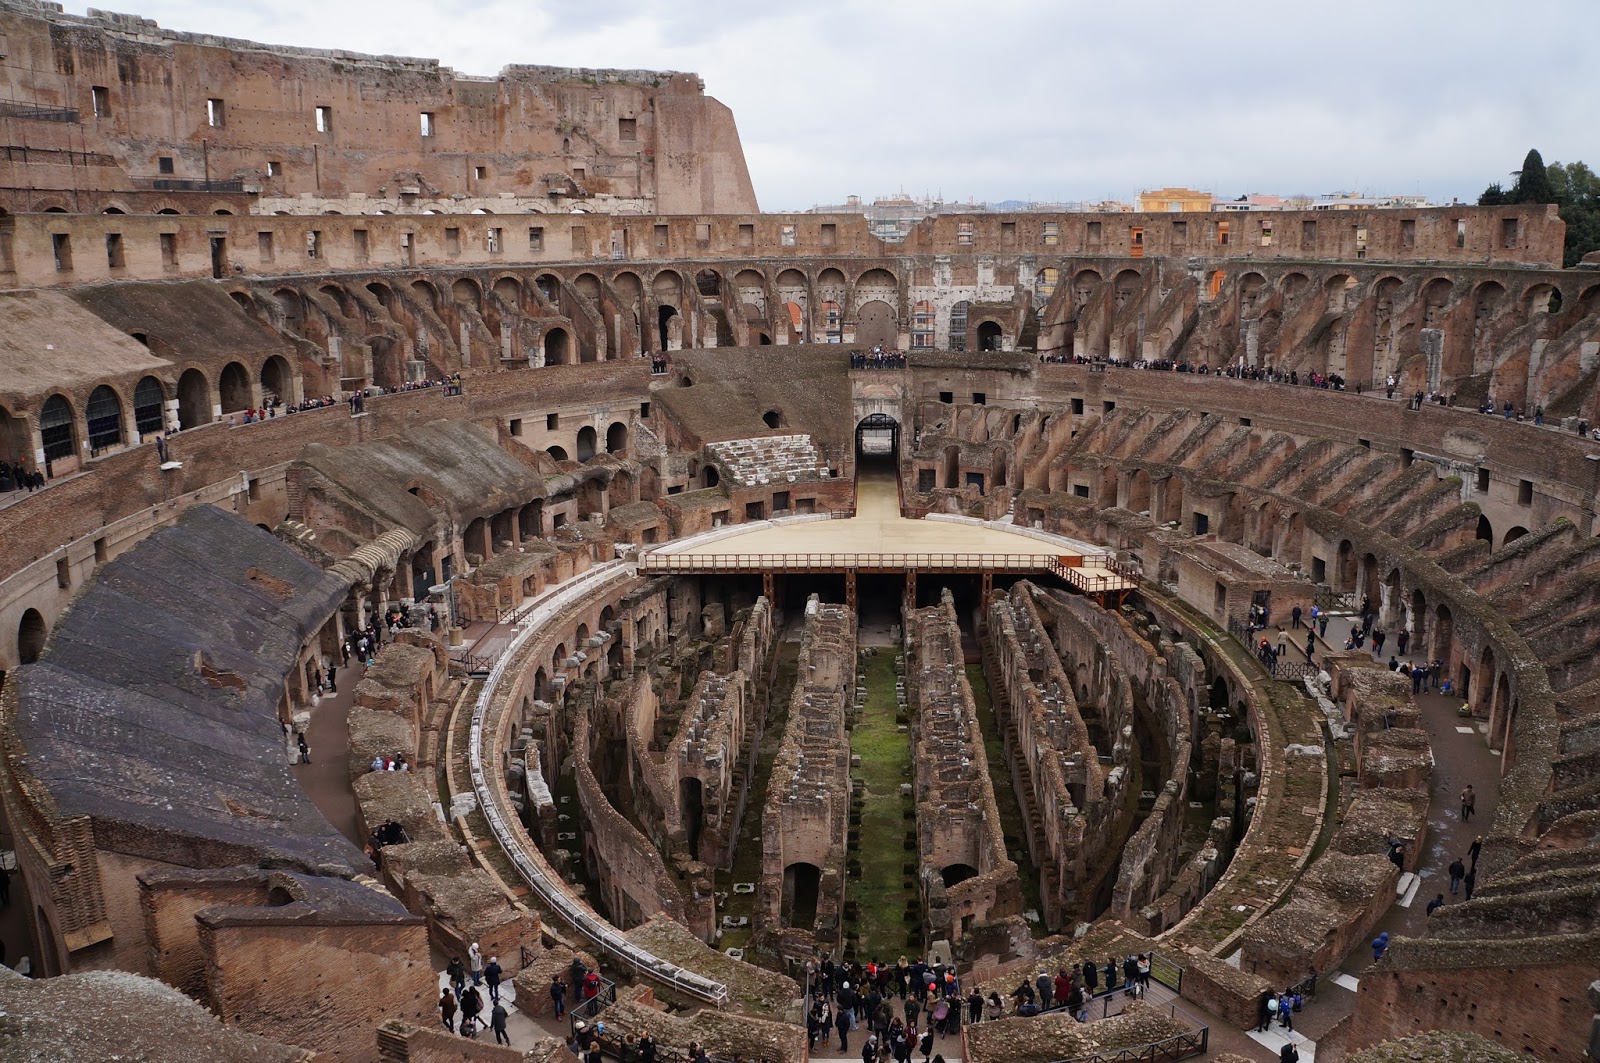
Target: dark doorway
801,885
691,802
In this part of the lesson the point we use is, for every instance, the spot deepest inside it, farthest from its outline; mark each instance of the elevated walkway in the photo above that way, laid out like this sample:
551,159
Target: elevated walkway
878,539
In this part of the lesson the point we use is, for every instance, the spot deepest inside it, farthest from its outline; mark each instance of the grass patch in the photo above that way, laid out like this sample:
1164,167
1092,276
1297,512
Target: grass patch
882,892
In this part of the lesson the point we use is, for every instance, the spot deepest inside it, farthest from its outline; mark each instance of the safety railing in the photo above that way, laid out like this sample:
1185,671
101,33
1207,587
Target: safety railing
843,562
1179,1046
1276,665
513,841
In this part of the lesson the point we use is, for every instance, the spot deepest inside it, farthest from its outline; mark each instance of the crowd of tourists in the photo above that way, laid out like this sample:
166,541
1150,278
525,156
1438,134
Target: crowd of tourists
905,1008
877,357
467,1000
16,477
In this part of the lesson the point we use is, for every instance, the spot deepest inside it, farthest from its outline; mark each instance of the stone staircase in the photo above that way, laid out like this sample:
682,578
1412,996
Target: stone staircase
769,460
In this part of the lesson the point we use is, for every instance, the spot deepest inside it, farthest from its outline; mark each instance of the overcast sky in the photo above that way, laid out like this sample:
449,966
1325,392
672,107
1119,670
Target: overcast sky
1042,99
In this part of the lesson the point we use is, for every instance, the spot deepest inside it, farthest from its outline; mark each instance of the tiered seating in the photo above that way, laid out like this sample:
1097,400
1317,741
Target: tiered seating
769,460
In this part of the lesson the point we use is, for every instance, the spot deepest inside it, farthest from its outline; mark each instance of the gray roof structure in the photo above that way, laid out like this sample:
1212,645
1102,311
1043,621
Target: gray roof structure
155,707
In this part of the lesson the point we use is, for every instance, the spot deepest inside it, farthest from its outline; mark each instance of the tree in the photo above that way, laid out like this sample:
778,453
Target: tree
1577,189
1493,196
1533,181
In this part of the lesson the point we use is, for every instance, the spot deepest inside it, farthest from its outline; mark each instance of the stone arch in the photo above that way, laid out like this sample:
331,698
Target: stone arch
1500,713
1419,619
708,282
586,442
1485,529
802,885
103,418
195,407
557,453
233,388
426,294
557,347
465,292
1138,492
1482,692
58,428
1251,285
1513,534
1443,634
1344,573
1537,297
628,286
958,325
617,439
31,634
509,291
1125,286
588,286
277,379
990,335
1294,538
876,277
876,323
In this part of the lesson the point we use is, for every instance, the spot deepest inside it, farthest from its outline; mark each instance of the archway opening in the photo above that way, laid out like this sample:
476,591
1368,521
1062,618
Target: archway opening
1513,535
557,453
1485,529
276,380
31,634
691,804
958,873
664,316
586,443
801,887
234,385
555,347
772,419
194,399
617,439
988,336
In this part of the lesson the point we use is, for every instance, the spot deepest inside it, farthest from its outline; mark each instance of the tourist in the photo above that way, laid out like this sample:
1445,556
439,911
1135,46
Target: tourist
1380,945
471,1006
1477,847
842,1024
1469,803
491,977
558,995
1458,871
457,972
974,1006
475,963
1144,971
1435,904
497,1023
1063,986
1397,855
927,1045
1044,987
1288,1053
1469,882
1130,976
995,1008
447,1009
594,1054
1269,1011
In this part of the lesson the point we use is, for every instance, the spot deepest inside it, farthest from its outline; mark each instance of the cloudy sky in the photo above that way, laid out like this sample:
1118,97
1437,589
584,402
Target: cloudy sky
1041,99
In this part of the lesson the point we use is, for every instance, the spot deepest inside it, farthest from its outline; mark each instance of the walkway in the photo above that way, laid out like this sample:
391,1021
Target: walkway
879,537
326,780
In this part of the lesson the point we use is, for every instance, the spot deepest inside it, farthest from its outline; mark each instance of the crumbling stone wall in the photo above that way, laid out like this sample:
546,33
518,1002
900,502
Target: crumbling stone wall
806,818
1069,789
967,879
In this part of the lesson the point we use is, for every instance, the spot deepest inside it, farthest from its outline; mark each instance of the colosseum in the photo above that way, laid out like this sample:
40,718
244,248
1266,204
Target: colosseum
449,534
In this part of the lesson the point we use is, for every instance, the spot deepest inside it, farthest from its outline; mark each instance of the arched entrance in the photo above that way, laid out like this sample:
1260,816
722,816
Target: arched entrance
617,439
276,380
555,347
30,636
194,399
989,334
801,885
56,429
586,443
234,387
878,436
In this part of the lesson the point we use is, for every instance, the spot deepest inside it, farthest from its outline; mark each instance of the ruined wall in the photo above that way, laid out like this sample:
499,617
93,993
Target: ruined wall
967,878
1059,773
232,116
806,818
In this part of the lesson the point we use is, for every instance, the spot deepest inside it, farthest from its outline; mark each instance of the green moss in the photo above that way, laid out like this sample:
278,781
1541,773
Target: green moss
882,891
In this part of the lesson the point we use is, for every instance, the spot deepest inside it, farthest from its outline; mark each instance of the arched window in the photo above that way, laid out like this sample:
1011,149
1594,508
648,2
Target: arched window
55,429
105,418
147,401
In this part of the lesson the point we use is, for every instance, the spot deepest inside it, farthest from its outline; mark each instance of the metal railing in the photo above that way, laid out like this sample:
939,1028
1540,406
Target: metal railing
1277,667
1179,1046
513,841
37,112
844,562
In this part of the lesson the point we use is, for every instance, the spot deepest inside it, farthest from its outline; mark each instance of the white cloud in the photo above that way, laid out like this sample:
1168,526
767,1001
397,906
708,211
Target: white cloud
1048,99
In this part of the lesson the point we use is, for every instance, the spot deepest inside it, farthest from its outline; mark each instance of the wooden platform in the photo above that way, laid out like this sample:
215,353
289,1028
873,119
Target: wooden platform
879,539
